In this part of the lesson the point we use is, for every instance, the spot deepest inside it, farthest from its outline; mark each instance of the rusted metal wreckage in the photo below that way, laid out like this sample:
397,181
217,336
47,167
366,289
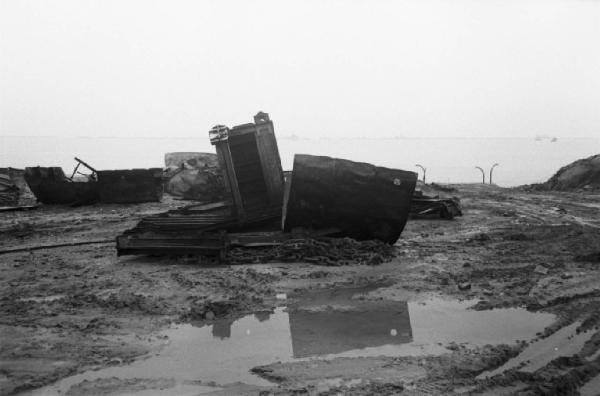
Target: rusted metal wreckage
249,158
130,185
424,206
321,196
362,200
50,185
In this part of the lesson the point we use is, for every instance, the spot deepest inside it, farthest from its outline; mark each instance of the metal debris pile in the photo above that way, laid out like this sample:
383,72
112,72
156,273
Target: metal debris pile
321,251
259,218
427,206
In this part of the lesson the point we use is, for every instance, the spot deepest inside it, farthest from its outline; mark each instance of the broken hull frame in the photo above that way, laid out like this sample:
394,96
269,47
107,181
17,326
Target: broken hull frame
50,185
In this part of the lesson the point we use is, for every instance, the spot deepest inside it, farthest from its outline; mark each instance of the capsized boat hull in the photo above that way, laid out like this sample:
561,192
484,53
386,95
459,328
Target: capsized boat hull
363,201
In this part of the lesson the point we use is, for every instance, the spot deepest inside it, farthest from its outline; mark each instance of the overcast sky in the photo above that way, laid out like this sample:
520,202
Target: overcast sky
347,67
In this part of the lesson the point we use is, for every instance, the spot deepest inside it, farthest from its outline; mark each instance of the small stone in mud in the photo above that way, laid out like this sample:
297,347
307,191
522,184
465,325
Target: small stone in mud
592,257
318,274
517,237
540,270
481,237
483,305
453,346
209,315
464,286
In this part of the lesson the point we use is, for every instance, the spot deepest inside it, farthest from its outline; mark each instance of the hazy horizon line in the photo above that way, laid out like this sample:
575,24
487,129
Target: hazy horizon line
300,137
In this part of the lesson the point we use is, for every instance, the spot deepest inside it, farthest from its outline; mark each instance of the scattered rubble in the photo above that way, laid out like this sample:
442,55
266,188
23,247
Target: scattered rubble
194,176
321,251
427,206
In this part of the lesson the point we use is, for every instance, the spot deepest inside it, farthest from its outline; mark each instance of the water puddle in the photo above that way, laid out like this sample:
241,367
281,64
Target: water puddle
336,328
323,325
591,388
564,342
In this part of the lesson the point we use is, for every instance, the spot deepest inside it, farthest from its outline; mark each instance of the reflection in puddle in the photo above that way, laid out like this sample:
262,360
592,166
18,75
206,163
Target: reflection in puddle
222,353
335,326
333,332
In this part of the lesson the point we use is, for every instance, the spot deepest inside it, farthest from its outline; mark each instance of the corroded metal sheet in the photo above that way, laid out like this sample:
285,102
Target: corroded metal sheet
51,186
362,200
130,185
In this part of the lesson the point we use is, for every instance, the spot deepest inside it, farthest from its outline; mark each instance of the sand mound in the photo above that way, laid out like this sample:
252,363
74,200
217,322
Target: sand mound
583,174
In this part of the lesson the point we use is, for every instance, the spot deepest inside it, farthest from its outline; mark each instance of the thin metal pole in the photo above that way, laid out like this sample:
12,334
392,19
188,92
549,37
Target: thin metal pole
492,170
424,171
75,170
482,173
86,165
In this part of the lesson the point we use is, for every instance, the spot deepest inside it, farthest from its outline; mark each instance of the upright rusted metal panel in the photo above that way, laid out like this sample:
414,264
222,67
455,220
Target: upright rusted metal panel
249,157
269,157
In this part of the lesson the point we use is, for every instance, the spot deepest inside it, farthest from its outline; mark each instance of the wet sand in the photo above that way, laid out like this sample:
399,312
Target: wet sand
498,301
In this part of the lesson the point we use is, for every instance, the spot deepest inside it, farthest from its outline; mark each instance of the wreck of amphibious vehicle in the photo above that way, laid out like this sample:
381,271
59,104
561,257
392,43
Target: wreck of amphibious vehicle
321,196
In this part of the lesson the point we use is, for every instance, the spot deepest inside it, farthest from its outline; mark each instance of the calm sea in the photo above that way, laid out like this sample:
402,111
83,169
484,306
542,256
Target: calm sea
522,160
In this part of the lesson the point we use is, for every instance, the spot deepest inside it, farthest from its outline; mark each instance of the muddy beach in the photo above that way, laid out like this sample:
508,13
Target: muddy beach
503,300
